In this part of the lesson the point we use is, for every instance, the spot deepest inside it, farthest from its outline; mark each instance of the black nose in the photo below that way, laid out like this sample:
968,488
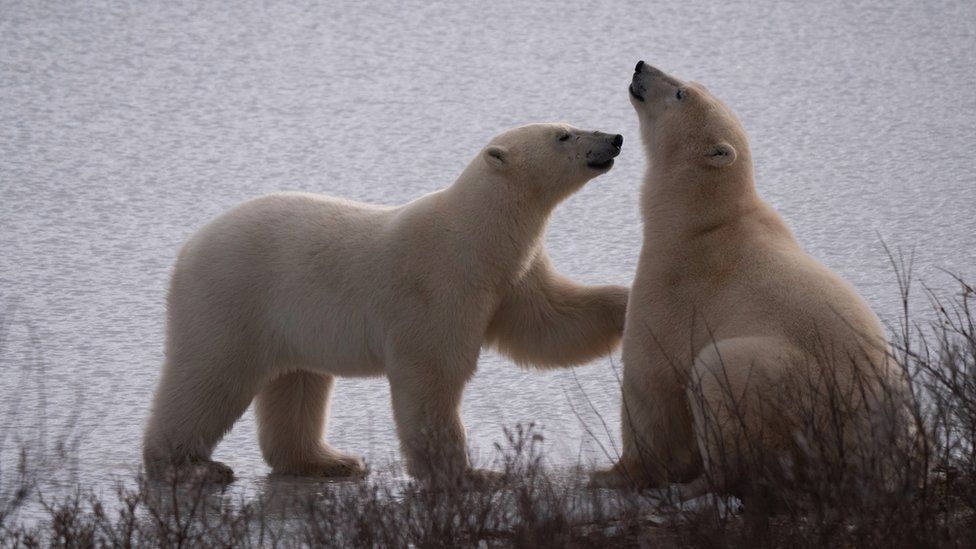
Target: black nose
618,140
640,65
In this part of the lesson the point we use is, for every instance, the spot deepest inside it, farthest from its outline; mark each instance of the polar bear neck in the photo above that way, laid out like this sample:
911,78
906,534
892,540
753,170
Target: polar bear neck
680,201
690,225
499,224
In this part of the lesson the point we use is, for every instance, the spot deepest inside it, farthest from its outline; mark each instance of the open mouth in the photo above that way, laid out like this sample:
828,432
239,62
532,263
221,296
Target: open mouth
606,164
634,94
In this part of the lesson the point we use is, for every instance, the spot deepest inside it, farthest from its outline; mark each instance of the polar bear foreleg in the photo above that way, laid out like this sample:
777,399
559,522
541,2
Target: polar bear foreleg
657,435
550,321
426,394
292,413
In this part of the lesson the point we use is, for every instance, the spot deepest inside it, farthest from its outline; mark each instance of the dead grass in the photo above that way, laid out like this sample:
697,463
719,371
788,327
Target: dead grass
919,495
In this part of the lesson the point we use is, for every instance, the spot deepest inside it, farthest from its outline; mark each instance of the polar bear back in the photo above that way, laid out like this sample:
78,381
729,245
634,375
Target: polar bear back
270,265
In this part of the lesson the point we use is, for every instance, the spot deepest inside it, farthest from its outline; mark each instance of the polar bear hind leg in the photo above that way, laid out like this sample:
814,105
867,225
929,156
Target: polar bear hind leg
736,395
196,404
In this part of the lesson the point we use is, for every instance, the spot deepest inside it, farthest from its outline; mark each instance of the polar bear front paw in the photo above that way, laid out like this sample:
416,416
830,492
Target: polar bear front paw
345,466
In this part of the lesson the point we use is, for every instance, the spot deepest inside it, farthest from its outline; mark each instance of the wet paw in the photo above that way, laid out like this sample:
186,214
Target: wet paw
200,472
344,466
335,466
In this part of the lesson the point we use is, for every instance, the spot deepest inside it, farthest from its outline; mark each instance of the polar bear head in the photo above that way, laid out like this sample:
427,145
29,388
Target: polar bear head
550,161
687,129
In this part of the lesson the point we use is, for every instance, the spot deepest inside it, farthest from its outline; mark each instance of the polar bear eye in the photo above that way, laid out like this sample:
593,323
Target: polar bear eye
564,137
680,94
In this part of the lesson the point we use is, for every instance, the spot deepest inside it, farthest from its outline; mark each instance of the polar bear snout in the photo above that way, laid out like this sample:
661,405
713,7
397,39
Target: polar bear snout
649,80
604,149
637,88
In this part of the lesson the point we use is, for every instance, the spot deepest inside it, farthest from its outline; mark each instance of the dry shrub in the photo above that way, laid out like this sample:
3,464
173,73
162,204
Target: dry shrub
872,490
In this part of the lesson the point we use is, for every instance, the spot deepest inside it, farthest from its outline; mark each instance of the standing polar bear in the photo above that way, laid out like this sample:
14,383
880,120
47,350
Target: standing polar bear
737,343
275,298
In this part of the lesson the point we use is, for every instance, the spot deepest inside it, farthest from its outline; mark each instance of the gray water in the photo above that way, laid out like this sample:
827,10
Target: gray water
124,127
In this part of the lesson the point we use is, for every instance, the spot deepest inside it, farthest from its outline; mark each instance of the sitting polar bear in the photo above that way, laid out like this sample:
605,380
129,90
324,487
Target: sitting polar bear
736,340
275,298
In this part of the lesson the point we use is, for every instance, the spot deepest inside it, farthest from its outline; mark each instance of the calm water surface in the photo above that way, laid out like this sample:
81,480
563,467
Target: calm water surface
124,127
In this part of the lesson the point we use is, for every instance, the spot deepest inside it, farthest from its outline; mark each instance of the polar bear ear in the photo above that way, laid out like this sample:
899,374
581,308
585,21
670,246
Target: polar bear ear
496,157
720,155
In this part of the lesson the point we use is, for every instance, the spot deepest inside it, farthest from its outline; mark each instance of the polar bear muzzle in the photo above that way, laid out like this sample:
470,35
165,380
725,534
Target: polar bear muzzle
651,81
603,149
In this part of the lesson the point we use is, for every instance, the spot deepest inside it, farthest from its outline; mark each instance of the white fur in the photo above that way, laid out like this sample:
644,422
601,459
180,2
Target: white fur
732,329
278,296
